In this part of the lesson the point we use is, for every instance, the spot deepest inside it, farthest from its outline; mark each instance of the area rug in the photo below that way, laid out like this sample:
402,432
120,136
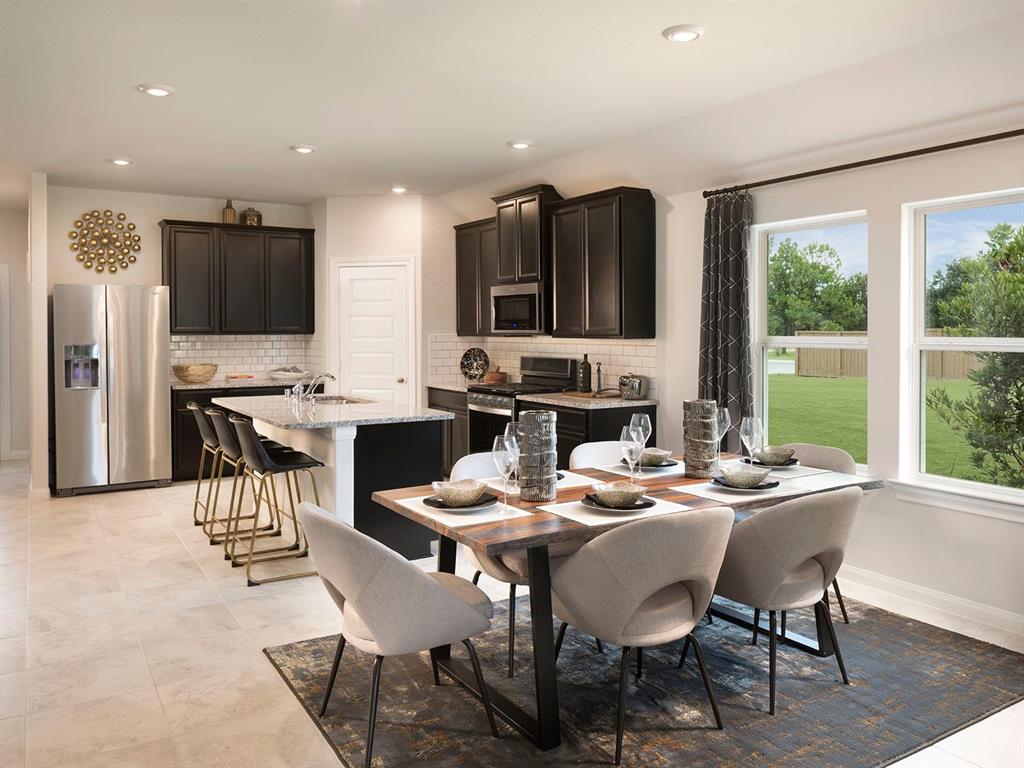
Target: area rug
911,685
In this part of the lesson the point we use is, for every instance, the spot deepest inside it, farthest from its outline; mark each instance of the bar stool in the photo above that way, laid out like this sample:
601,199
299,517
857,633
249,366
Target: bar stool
263,465
211,446
231,454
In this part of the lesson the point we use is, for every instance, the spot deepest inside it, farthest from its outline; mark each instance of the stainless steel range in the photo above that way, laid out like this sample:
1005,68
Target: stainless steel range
492,406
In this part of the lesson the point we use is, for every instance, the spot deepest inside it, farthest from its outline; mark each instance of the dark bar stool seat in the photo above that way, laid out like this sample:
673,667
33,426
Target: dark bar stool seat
264,466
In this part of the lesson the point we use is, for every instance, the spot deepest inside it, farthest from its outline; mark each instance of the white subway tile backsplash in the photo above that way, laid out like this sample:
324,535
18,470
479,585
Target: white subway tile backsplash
247,354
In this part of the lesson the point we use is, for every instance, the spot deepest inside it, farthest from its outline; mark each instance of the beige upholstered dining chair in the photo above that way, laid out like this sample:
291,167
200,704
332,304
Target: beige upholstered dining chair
508,569
834,460
784,557
390,607
645,583
600,453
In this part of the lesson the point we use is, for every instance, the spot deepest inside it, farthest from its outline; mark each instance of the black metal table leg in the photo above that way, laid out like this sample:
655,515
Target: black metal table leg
544,673
446,549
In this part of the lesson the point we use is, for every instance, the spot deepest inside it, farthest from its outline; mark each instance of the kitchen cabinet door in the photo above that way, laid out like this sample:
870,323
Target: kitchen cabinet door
467,281
189,267
602,266
508,241
488,273
290,300
567,270
242,277
528,258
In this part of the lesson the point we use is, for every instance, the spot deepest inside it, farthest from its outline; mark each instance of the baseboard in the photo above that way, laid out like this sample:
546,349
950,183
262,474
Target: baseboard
866,585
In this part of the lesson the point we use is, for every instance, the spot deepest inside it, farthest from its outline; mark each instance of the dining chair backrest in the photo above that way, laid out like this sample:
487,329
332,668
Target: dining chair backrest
606,581
225,434
206,430
823,457
475,466
601,453
776,543
404,609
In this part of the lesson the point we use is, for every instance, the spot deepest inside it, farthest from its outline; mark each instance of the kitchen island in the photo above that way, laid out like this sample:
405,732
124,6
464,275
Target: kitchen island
365,446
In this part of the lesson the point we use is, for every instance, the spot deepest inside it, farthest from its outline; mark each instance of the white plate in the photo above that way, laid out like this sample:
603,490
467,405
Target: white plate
287,375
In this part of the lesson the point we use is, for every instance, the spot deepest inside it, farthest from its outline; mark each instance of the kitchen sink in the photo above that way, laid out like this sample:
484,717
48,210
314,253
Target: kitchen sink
340,400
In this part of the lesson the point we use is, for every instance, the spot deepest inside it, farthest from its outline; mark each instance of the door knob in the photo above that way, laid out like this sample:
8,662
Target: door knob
400,380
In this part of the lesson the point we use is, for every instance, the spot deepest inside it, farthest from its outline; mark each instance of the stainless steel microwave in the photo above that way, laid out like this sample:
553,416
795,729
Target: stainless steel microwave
516,309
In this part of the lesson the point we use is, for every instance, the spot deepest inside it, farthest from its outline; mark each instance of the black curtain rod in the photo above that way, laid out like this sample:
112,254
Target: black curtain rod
872,161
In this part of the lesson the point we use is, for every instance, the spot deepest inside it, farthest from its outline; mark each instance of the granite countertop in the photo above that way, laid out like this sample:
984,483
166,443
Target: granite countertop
449,387
283,413
584,403
222,383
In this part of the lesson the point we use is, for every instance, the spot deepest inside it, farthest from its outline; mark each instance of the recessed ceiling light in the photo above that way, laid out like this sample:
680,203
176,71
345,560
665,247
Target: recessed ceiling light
683,33
398,190
121,161
303,149
155,89
520,144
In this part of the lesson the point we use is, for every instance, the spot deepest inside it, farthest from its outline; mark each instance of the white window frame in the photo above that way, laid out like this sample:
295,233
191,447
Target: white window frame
761,342
969,495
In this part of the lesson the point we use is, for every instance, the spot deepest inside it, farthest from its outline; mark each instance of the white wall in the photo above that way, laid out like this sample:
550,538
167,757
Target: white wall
65,204
13,249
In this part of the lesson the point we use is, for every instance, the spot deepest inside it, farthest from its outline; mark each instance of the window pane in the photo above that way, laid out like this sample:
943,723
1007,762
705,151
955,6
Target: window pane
817,280
974,271
974,416
818,396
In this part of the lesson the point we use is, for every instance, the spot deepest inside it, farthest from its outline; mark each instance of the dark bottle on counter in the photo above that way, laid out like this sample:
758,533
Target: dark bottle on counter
584,375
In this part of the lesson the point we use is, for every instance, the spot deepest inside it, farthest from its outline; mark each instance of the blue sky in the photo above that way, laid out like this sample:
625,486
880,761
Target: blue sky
949,236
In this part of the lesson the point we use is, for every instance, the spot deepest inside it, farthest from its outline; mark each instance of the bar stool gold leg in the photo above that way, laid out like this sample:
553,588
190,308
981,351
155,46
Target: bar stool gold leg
199,485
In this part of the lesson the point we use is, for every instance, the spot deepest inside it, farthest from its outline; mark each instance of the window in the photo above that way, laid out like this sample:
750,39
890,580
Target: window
969,341
810,331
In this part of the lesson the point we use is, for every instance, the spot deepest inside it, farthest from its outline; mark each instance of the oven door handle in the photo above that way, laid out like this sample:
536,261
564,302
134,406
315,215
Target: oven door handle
489,409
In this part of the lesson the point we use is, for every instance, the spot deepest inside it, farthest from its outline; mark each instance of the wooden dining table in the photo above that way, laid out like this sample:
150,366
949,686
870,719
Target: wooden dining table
534,533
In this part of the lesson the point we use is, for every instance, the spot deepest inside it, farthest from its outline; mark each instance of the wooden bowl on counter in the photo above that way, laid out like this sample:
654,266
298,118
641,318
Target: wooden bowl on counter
195,373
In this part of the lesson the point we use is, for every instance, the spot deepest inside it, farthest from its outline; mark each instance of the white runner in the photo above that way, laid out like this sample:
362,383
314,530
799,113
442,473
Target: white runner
648,472
574,510
453,519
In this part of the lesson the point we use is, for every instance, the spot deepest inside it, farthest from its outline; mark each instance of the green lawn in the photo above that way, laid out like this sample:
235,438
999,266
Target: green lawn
834,412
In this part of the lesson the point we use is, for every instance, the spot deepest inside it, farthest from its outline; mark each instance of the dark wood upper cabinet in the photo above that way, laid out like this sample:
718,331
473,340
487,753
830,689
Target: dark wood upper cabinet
229,278
604,264
523,239
476,270
289,283
190,262
242,273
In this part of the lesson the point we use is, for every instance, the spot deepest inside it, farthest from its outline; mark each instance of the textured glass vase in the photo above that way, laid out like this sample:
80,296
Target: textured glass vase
700,438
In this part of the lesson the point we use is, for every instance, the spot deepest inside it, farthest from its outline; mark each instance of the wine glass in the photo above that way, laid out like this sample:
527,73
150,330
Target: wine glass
506,457
751,433
631,445
642,423
724,422
512,430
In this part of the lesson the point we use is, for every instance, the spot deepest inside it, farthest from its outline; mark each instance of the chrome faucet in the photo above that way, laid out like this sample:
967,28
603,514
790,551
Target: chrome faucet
311,389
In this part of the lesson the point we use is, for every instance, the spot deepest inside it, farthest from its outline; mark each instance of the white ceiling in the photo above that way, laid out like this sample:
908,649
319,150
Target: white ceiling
419,94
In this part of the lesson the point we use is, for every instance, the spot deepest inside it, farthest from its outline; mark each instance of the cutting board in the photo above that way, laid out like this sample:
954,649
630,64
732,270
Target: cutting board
602,395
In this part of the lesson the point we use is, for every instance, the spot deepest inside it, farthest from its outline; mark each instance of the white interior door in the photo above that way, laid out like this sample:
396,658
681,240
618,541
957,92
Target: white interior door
373,332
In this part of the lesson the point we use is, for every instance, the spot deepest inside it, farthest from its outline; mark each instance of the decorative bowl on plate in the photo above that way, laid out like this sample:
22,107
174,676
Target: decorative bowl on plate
620,493
195,373
459,493
743,476
654,457
773,455
288,373
474,363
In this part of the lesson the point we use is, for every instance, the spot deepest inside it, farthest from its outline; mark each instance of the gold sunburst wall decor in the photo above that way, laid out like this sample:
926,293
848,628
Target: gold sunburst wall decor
105,241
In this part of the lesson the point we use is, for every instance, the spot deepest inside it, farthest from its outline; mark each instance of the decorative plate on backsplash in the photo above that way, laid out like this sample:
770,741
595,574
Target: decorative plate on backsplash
474,363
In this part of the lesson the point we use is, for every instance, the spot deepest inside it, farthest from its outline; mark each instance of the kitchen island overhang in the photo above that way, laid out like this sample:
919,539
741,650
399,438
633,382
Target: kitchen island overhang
365,447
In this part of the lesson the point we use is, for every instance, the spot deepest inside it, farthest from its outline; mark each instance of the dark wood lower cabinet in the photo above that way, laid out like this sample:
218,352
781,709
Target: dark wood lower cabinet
581,425
455,432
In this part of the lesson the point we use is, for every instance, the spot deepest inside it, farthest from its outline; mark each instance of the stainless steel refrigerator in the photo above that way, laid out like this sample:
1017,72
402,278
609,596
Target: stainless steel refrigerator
111,387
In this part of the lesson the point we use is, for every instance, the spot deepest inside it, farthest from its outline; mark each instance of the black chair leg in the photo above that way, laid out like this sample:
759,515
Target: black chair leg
710,618
835,644
374,692
511,630
706,678
334,673
839,598
476,577
600,645
621,721
484,696
782,629
639,663
433,666
686,649
772,644
757,626
560,638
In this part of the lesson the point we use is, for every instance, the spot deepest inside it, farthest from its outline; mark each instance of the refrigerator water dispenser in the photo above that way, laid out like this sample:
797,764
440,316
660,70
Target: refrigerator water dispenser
81,366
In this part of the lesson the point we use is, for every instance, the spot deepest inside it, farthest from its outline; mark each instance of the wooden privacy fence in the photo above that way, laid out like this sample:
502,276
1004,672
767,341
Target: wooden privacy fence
853,363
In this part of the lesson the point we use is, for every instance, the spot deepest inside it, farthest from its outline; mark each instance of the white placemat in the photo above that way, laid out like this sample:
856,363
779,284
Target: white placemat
823,481
569,480
788,473
622,469
489,514
820,481
574,510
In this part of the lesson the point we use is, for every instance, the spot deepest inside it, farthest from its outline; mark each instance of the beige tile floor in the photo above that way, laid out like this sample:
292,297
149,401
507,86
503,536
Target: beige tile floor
126,641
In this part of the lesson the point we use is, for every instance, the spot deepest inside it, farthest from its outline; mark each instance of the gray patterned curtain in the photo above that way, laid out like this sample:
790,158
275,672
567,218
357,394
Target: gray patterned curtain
724,315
